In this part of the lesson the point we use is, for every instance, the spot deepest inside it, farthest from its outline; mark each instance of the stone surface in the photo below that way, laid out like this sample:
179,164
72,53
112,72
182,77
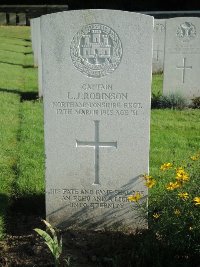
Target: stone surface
3,20
182,57
12,18
35,37
39,50
22,19
97,67
158,45
37,53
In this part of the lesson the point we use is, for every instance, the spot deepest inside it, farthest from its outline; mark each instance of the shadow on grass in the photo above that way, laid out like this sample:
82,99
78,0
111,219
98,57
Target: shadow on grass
25,213
3,208
7,50
13,37
24,96
21,65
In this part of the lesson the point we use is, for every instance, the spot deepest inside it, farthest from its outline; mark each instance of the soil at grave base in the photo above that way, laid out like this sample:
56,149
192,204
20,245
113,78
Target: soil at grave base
23,247
30,251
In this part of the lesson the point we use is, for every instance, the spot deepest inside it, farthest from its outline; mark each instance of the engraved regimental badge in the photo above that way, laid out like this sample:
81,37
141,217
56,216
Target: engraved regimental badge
159,27
96,50
186,31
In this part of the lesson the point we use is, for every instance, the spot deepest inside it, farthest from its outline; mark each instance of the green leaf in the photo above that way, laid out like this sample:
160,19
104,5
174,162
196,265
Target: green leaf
47,238
50,227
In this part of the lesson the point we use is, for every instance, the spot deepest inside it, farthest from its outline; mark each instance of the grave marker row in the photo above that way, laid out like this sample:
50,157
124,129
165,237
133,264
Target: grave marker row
12,19
96,79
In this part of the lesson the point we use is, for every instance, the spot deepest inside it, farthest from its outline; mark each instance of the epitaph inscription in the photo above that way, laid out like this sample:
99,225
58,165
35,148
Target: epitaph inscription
96,50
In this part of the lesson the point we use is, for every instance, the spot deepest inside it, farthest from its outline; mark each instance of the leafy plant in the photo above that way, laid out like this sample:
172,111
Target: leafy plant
155,100
196,102
53,242
173,101
174,204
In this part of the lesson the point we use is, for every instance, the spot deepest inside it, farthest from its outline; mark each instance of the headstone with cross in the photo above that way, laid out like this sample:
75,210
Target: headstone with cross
182,57
96,83
158,45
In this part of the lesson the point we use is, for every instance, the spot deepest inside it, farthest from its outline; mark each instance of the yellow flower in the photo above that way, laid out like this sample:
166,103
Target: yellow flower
135,198
177,212
156,215
184,195
195,157
150,183
181,175
166,166
196,200
171,186
147,177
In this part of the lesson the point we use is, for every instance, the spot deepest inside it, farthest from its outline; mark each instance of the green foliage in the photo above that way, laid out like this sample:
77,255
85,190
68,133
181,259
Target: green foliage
173,134
157,84
196,102
172,101
174,205
155,100
53,242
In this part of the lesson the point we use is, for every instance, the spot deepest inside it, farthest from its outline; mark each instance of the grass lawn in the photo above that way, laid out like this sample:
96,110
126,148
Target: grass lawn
175,134
21,134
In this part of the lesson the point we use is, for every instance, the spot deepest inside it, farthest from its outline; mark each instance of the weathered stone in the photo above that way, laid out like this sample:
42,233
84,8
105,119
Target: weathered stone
97,67
182,57
158,45
12,18
3,20
22,19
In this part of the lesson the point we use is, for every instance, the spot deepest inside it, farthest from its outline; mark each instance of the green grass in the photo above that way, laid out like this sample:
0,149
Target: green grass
157,84
174,133
21,131
9,121
31,155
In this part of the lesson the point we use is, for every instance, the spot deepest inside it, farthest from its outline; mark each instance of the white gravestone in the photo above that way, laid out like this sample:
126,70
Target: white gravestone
158,45
12,18
97,67
182,57
22,19
3,20
39,52
35,37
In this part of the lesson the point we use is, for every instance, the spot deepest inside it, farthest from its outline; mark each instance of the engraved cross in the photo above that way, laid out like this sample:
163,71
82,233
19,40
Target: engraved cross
157,52
184,67
96,144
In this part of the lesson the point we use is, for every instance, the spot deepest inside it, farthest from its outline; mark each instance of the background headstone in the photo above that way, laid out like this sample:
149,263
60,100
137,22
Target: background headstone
158,45
22,19
12,18
3,20
39,51
35,37
182,57
97,67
